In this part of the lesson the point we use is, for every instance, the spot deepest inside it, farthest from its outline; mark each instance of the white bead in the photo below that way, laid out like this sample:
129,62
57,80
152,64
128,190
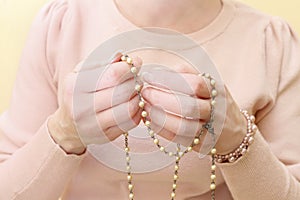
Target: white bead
252,118
212,82
176,167
130,186
207,75
213,167
173,194
180,154
127,159
133,70
214,92
213,177
156,141
147,123
131,196
196,141
128,168
189,149
129,177
174,186
213,102
144,114
212,186
213,151
129,60
141,104
138,87
254,128
162,148
123,58
151,133
175,177
251,139
231,159
171,154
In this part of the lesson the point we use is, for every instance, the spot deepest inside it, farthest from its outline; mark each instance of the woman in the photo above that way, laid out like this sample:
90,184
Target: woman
42,156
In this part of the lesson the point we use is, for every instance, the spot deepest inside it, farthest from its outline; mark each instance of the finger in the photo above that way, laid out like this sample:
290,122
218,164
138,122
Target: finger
178,104
101,77
180,126
189,84
118,114
114,96
115,131
179,139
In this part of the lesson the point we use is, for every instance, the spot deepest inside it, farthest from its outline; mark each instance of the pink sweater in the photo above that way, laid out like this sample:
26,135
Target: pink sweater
258,57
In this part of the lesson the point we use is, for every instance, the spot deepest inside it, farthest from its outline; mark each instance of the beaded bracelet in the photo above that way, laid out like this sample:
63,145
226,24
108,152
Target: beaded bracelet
244,146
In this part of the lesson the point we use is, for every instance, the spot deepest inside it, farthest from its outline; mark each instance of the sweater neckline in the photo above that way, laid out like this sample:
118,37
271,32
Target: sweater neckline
215,28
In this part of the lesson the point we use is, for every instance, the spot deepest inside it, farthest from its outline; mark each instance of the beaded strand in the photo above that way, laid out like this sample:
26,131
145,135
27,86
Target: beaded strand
178,154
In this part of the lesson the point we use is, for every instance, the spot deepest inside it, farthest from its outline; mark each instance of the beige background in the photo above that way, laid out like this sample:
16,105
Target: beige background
16,17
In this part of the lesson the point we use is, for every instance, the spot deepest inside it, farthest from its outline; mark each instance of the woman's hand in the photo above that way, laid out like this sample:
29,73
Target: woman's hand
114,109
179,104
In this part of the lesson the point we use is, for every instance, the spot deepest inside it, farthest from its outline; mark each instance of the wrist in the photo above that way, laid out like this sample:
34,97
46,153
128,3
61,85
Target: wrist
243,147
67,138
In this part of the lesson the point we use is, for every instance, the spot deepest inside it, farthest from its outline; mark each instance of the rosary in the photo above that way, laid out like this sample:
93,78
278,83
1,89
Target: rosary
208,126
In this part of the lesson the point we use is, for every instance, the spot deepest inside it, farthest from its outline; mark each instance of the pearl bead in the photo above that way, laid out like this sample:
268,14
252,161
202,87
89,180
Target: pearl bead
212,186
251,139
128,168
130,186
133,70
214,92
213,167
213,177
127,159
196,141
151,133
171,154
207,75
162,148
254,128
176,167
213,151
147,123
213,102
175,177
213,82
138,87
131,196
231,159
174,186
173,194
189,149
141,104
144,114
129,60
129,177
180,154
252,118
126,149
156,141
123,58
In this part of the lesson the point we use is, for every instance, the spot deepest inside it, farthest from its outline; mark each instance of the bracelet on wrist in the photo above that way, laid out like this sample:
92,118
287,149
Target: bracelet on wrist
244,146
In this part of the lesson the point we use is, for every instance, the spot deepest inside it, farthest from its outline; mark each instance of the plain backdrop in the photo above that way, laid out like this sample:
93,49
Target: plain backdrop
16,17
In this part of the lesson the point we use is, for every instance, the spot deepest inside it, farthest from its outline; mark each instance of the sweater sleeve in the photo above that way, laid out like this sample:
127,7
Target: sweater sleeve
271,168
32,165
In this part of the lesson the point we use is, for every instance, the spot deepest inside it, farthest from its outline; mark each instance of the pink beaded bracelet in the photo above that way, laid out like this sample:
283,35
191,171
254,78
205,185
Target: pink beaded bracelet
244,146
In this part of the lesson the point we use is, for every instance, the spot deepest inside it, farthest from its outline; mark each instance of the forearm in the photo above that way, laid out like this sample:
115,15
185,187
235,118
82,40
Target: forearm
40,169
260,175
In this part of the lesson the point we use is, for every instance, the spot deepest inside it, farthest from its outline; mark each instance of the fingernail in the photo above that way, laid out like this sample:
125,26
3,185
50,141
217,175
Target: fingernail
116,57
